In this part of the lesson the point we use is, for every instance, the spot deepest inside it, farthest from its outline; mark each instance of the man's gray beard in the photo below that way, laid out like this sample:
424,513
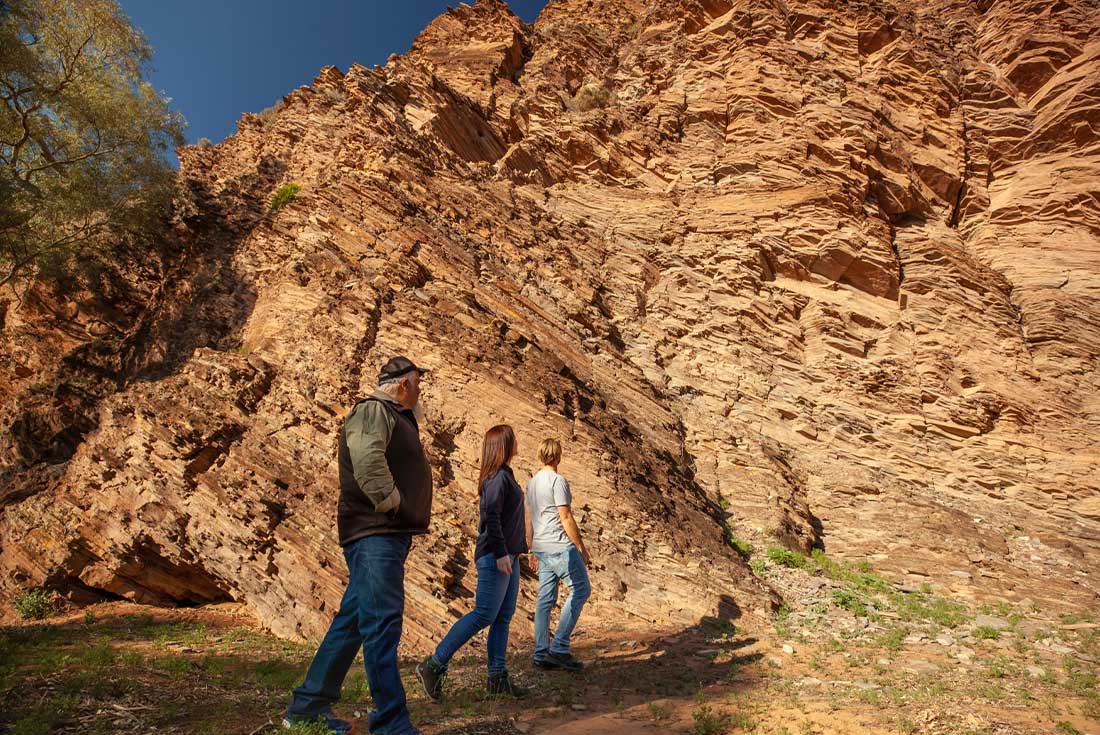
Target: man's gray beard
418,412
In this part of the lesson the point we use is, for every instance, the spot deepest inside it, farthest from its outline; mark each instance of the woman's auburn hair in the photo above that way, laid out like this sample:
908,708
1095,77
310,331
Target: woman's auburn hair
497,449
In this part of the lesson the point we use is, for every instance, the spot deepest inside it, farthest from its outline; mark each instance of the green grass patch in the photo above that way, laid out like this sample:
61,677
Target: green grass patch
924,607
787,558
317,727
849,600
783,620
892,639
57,675
742,547
45,717
1081,682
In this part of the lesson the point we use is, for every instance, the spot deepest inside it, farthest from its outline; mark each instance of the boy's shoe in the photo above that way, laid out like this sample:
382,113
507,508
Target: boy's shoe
336,726
431,677
542,663
502,686
560,661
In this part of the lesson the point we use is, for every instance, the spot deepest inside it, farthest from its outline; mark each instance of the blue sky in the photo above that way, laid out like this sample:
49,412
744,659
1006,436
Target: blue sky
218,59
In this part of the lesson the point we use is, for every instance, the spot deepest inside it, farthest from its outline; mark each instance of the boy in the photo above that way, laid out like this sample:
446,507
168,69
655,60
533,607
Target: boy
555,540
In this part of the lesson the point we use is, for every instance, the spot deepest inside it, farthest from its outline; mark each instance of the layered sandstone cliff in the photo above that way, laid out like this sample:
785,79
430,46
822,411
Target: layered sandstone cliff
825,273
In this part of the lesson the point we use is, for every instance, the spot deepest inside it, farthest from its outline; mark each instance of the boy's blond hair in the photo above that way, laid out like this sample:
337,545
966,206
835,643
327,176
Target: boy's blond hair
550,452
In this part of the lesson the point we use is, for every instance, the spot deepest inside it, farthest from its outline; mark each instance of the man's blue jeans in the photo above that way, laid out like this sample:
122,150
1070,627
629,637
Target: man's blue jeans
554,567
370,618
494,606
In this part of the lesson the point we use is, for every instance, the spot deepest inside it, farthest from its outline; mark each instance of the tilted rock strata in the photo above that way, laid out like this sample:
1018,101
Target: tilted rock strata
832,268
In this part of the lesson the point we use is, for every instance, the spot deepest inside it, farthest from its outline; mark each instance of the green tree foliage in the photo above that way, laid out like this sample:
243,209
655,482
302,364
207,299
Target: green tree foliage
83,136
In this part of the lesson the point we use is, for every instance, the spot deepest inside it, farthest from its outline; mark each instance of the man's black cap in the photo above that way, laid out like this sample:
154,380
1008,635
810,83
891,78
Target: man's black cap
396,367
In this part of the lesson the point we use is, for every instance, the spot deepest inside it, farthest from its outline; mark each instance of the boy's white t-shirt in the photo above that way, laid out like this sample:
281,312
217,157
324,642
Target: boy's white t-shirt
545,492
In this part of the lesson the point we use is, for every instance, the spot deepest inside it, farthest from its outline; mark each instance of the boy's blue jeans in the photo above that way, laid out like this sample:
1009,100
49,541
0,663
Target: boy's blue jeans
554,567
369,618
493,609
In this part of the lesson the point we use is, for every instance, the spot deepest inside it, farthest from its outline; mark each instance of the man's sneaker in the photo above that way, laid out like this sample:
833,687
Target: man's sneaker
336,726
562,661
502,686
431,676
542,663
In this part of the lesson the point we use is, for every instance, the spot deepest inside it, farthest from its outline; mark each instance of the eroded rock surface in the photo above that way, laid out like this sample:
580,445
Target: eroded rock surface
822,273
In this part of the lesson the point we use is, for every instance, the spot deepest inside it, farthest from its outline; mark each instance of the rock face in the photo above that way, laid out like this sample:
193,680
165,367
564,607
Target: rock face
823,273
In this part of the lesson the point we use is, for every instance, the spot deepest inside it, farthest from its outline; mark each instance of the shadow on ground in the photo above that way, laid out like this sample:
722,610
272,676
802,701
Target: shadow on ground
122,668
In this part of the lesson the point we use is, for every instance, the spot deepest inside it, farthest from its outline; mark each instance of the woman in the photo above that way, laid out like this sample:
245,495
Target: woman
501,539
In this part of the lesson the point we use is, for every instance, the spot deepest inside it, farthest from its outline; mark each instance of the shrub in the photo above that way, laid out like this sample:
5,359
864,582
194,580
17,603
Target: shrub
37,604
783,620
284,195
659,712
268,116
849,600
591,96
786,558
892,639
708,722
204,143
742,721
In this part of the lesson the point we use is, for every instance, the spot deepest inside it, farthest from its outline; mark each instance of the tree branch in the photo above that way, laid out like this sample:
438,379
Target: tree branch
69,69
83,232
69,161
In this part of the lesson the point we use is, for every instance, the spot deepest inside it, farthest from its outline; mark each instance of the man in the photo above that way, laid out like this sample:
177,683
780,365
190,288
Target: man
385,499
555,540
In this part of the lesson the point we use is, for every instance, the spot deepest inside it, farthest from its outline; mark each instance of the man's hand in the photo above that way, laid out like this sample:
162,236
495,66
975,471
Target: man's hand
533,563
586,557
504,565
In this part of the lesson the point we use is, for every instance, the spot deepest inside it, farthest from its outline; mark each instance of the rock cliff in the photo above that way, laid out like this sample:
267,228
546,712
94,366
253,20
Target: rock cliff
824,274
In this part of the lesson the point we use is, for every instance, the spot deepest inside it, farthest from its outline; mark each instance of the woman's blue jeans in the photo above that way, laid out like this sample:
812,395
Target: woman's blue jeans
493,609
369,618
554,567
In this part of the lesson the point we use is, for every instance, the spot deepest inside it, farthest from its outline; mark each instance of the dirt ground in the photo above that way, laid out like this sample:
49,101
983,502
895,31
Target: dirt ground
848,655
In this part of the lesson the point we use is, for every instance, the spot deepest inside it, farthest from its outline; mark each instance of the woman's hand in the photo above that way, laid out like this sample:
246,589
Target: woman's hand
504,565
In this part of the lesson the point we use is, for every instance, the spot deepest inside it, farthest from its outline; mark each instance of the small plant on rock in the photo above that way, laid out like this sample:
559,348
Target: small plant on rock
742,547
591,96
284,195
